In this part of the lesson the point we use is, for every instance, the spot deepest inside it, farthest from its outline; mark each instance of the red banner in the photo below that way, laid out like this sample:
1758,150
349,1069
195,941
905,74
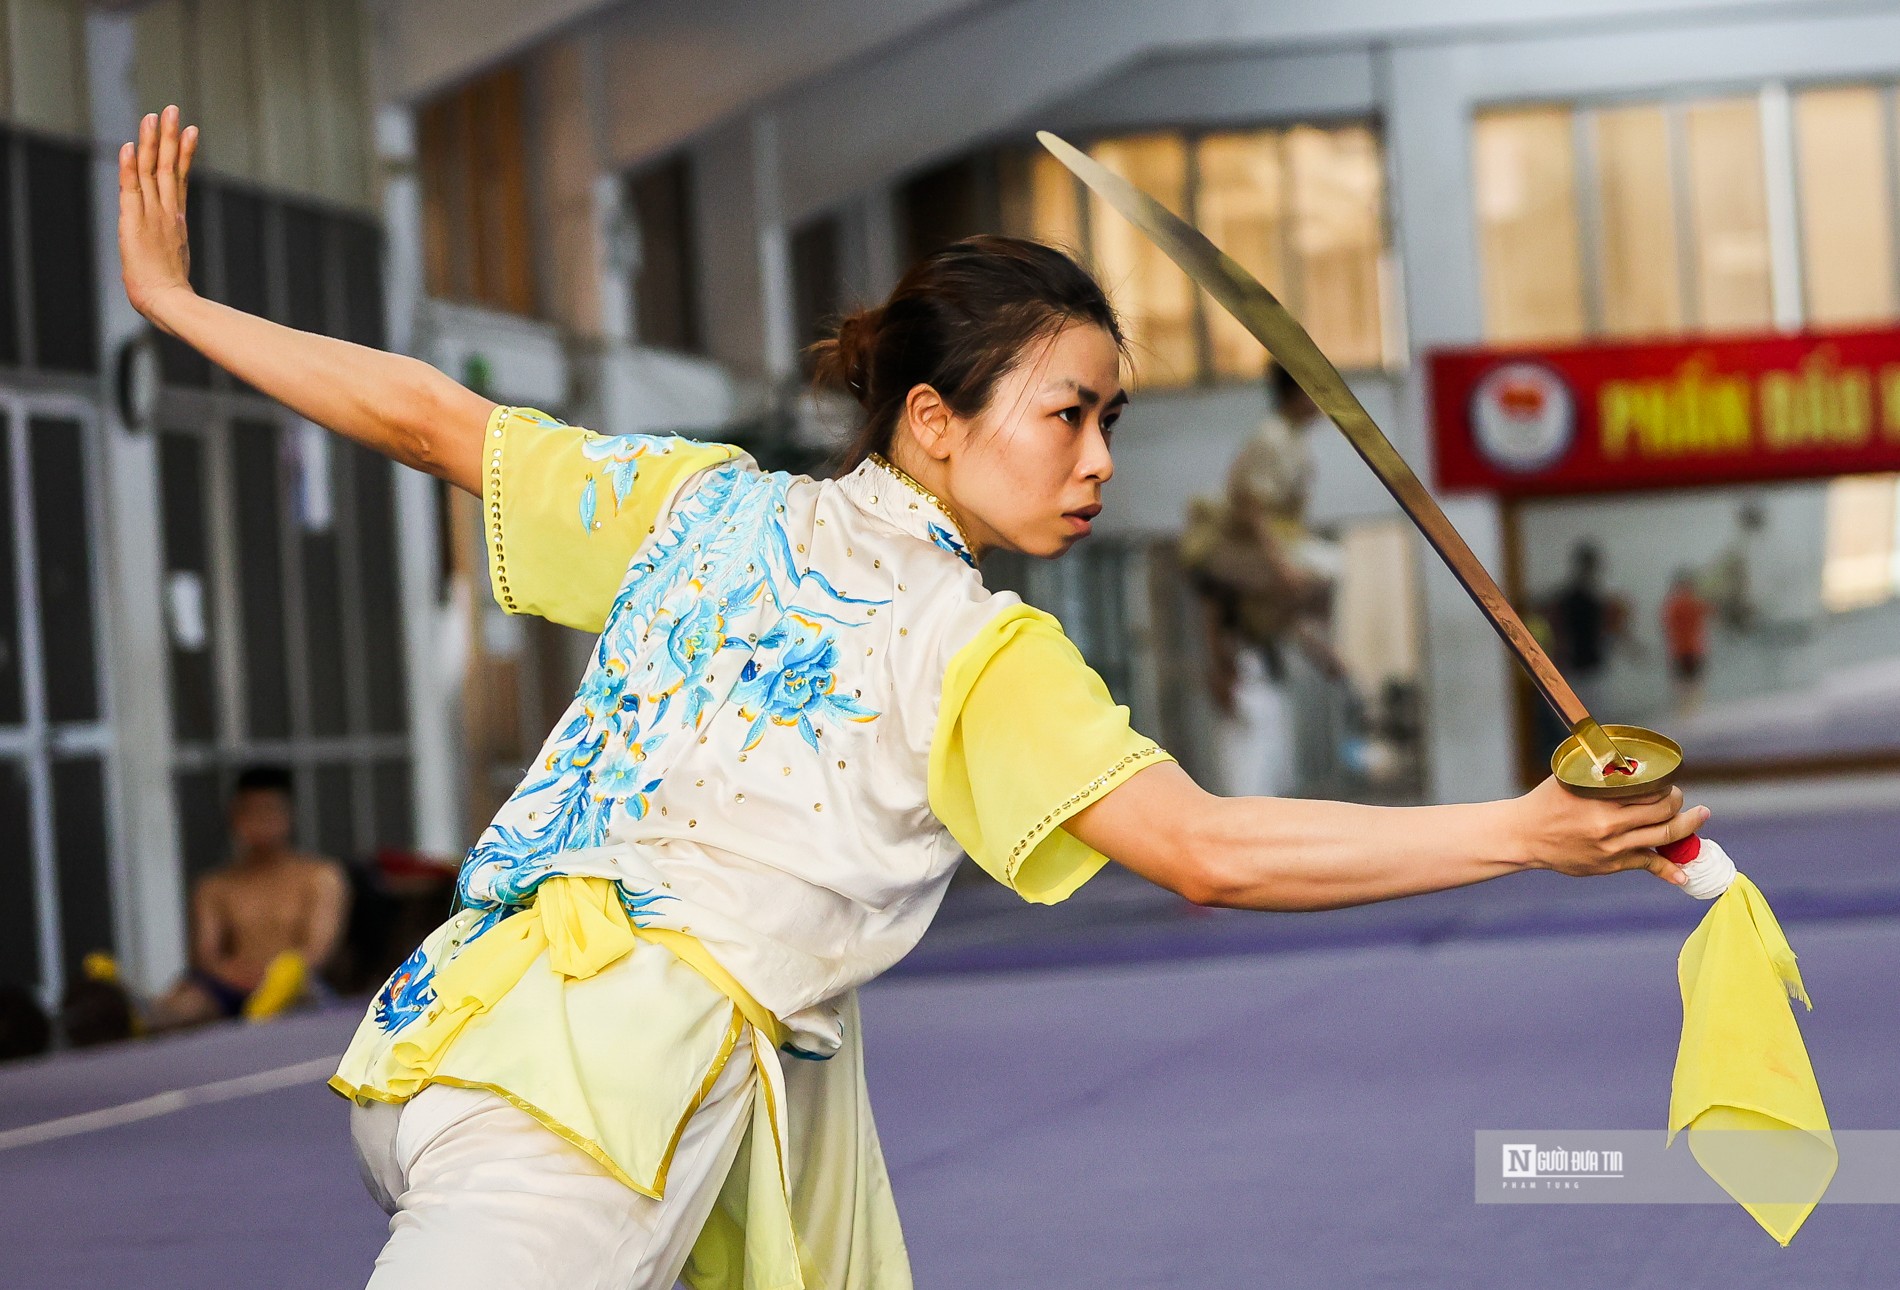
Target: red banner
1590,418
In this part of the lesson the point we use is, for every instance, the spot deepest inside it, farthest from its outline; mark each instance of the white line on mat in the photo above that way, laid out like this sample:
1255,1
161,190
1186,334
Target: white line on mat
177,1099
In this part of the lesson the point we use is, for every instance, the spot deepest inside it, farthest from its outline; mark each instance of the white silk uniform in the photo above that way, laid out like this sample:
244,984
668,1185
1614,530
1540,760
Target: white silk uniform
773,765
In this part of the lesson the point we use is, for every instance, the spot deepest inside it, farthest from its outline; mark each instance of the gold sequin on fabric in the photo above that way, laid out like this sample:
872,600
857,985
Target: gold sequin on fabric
498,419
901,477
1067,806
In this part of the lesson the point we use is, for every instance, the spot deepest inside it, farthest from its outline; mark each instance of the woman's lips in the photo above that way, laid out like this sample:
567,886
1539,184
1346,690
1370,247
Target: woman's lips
1081,521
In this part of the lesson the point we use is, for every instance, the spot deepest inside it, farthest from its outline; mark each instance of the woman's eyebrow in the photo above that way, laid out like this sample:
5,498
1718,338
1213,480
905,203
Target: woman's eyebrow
1087,396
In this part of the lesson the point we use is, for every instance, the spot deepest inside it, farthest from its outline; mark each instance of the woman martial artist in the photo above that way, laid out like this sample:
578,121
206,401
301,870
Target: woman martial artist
634,1053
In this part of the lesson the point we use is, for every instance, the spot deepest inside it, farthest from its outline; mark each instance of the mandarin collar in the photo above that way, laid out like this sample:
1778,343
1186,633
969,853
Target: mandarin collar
882,489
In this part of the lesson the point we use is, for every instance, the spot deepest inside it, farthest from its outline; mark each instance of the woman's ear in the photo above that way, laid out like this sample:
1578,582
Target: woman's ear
928,417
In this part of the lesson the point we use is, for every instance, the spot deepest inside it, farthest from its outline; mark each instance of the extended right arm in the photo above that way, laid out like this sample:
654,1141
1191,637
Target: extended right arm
1292,854
399,406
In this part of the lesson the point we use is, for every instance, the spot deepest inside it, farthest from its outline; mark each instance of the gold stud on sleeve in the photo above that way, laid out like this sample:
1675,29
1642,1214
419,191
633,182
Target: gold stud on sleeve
1069,803
504,591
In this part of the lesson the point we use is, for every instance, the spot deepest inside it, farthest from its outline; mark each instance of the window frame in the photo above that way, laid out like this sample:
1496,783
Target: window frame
1776,102
677,173
38,744
1394,357
26,371
472,149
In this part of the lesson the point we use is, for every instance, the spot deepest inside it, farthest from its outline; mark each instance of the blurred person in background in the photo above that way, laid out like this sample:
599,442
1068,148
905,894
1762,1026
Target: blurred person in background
1265,587
1731,582
98,1009
1587,622
25,1030
1685,626
265,923
803,708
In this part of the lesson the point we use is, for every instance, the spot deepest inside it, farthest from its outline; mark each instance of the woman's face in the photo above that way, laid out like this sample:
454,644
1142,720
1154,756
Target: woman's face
1026,473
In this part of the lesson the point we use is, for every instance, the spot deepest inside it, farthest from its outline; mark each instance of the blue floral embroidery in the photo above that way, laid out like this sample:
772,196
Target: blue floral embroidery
950,542
623,454
723,559
407,994
800,685
693,637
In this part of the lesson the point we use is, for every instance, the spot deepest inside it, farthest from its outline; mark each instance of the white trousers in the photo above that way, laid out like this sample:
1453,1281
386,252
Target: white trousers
481,1194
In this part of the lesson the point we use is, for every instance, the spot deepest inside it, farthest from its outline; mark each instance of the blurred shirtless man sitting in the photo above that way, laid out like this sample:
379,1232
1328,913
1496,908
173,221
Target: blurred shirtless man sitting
262,924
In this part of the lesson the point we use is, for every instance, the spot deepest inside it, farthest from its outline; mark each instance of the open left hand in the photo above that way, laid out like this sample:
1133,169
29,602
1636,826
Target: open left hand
154,252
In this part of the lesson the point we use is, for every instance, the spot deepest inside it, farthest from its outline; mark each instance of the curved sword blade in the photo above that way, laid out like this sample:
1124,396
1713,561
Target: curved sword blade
1253,306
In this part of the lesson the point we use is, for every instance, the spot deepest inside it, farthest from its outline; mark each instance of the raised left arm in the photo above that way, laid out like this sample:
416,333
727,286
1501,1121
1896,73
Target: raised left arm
396,405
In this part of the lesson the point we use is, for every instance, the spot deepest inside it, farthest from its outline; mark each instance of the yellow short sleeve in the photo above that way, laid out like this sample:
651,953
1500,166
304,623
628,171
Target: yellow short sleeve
565,509
1027,736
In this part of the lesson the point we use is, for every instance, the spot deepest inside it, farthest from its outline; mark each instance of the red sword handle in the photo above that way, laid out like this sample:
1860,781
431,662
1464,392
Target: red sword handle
1683,850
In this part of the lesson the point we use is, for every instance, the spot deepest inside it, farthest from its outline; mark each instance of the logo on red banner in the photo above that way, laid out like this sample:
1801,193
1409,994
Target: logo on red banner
1522,417
1633,416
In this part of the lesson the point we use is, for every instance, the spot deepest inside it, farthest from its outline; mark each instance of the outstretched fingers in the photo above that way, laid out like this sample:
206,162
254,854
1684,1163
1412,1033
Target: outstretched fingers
166,175
128,171
148,156
187,149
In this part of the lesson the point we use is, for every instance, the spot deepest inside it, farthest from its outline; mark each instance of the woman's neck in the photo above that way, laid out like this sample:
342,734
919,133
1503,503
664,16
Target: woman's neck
933,477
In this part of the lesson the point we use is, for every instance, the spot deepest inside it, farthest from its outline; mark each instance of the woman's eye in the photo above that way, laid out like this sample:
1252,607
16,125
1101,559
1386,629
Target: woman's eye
1071,416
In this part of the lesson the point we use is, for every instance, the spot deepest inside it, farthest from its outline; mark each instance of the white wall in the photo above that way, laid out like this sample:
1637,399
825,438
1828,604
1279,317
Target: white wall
148,877
426,45
677,67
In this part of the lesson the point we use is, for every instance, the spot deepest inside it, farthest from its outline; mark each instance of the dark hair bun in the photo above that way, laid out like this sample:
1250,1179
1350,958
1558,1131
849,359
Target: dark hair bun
957,320
844,361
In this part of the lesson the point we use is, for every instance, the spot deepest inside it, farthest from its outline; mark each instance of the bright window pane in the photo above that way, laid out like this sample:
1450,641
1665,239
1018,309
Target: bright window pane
1729,208
1846,218
1337,189
1641,282
1241,206
1525,169
1861,517
1055,214
1155,298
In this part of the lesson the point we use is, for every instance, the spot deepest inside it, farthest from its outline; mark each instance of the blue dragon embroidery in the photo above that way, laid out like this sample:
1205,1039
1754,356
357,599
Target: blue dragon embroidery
407,994
950,542
723,557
